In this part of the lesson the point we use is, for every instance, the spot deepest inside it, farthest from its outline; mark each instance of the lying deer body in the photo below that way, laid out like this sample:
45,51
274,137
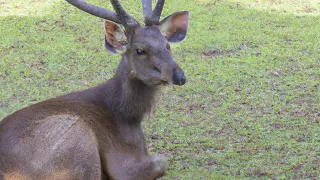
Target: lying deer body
96,133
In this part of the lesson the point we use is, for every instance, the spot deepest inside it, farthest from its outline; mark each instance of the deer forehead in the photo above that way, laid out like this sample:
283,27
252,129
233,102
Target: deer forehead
149,36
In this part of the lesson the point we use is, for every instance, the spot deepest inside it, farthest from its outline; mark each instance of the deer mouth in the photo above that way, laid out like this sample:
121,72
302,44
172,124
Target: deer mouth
161,75
164,82
165,76
156,69
175,77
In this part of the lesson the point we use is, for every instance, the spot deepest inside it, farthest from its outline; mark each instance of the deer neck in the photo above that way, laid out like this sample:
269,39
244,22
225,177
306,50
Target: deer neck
128,98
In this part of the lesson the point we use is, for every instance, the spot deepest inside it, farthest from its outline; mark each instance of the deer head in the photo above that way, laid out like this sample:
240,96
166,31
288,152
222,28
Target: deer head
145,49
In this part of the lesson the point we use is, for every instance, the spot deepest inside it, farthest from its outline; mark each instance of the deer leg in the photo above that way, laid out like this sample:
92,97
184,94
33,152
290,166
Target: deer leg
160,164
150,168
147,168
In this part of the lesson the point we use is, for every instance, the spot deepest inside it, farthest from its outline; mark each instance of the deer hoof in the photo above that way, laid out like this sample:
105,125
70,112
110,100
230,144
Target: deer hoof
160,163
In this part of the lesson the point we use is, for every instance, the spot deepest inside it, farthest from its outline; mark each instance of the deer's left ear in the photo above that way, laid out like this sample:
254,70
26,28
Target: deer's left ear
175,26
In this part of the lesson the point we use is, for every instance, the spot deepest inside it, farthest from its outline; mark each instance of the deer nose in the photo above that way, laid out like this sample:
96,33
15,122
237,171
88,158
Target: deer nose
179,78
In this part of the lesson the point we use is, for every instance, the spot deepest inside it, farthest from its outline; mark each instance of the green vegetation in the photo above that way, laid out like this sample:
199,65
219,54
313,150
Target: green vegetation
250,109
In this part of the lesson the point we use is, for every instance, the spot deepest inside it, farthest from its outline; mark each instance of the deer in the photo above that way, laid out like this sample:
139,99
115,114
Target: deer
96,133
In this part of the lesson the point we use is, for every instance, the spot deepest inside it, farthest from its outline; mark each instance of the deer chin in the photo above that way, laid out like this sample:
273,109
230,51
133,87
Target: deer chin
154,78
158,78
154,83
167,80
161,81
165,83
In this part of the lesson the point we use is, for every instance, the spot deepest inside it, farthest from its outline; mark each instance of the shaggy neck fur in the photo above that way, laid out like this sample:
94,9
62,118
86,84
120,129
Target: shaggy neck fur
128,98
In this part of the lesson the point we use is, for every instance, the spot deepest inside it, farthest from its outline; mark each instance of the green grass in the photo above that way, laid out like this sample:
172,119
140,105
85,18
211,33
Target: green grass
250,109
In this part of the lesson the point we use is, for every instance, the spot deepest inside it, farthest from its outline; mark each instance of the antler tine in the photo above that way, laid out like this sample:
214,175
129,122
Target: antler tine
157,10
154,17
147,7
124,17
94,10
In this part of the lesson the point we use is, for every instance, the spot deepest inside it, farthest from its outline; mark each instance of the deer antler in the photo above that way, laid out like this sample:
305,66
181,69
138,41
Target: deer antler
152,17
94,10
124,17
147,7
121,16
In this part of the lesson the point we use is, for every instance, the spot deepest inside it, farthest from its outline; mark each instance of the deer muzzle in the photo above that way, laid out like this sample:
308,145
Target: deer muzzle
174,76
171,72
178,77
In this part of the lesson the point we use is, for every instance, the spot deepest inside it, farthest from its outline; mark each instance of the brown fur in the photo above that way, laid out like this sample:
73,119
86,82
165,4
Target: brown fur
14,176
90,134
95,133
59,175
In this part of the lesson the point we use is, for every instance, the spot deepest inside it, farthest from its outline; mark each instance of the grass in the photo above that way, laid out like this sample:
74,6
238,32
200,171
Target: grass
250,109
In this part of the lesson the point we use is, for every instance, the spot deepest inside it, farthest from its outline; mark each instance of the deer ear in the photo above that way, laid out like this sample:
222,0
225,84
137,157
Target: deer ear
115,38
175,26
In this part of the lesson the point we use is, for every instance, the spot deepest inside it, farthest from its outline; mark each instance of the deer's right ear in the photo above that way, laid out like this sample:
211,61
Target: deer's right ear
115,38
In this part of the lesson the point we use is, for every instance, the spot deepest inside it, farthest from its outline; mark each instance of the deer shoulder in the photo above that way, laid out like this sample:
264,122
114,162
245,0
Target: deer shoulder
96,133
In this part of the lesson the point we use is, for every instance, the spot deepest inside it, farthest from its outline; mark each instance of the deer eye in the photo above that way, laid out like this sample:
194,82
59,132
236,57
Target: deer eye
140,51
168,46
